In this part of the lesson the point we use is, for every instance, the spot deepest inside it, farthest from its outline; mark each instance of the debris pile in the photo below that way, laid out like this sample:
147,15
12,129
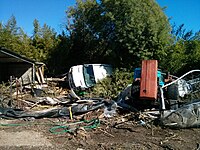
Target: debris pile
56,102
50,100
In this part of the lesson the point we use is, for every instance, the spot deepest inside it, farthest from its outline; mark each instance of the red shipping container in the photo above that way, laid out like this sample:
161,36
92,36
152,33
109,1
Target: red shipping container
148,81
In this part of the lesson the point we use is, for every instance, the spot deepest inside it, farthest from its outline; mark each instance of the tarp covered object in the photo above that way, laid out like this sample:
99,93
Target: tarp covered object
184,117
52,112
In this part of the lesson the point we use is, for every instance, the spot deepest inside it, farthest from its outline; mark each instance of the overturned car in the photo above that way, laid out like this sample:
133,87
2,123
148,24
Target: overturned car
87,75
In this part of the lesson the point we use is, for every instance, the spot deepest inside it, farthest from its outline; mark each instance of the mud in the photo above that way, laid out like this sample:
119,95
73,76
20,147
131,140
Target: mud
112,134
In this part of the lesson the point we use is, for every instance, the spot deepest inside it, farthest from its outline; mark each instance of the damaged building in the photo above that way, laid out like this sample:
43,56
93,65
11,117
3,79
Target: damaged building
15,66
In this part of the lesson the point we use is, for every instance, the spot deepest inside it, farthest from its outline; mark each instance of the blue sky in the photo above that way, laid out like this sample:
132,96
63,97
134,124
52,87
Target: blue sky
185,12
52,12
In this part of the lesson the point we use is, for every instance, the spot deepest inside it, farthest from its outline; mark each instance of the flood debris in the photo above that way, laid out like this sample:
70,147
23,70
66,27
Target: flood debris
87,75
110,109
169,95
75,126
186,116
135,105
56,111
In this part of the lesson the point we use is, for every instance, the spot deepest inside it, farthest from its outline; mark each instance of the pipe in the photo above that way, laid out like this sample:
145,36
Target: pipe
162,99
180,78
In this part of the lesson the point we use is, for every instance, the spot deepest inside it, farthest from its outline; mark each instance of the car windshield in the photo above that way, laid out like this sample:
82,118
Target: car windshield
88,74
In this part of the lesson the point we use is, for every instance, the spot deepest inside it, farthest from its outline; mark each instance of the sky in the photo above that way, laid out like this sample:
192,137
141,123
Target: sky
185,12
52,12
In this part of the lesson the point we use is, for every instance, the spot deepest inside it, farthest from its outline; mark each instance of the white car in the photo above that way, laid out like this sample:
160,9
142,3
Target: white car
87,75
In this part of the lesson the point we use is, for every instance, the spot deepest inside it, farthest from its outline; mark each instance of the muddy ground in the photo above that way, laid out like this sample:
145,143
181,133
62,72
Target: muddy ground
118,133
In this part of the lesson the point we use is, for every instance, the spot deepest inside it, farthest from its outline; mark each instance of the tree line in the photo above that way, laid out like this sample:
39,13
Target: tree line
118,32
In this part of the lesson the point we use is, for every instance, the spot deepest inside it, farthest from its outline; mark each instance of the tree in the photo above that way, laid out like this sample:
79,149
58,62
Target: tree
181,33
58,60
13,37
11,25
118,31
38,47
36,29
44,40
9,34
184,52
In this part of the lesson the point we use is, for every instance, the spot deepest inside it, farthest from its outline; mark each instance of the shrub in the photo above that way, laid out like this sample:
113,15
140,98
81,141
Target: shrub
111,86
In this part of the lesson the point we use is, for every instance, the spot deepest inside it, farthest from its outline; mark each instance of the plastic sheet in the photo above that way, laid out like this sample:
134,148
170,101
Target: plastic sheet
184,117
10,113
110,109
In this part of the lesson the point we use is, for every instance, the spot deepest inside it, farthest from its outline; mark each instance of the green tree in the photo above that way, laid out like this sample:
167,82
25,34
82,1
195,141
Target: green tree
58,60
36,29
11,25
38,47
118,31
44,40
13,37
9,35
184,53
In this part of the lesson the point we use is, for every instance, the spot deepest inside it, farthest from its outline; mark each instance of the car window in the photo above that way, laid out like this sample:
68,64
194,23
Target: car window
88,74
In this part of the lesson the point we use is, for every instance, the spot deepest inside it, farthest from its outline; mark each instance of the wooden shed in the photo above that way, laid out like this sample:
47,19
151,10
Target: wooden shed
18,67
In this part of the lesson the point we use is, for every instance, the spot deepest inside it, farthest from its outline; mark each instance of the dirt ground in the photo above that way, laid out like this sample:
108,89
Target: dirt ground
115,133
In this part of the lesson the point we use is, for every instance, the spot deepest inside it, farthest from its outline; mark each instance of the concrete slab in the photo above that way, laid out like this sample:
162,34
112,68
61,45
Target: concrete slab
23,138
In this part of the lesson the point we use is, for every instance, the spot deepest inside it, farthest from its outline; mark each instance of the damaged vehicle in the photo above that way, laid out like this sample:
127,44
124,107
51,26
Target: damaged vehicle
87,75
176,98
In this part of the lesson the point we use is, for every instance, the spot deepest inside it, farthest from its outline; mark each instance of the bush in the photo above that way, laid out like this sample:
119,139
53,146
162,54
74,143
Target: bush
111,86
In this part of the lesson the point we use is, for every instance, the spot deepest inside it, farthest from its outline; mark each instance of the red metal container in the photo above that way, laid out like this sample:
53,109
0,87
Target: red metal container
148,81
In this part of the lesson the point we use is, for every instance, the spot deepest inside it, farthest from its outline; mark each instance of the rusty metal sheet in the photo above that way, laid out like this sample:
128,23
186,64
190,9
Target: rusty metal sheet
148,83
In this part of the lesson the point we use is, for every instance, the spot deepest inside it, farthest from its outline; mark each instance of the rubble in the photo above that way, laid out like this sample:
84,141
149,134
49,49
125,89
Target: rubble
81,114
81,119
187,116
44,98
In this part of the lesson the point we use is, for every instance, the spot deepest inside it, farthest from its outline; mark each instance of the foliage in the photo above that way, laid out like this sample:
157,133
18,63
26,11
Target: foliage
180,33
111,86
119,31
37,48
184,53
44,40
58,61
